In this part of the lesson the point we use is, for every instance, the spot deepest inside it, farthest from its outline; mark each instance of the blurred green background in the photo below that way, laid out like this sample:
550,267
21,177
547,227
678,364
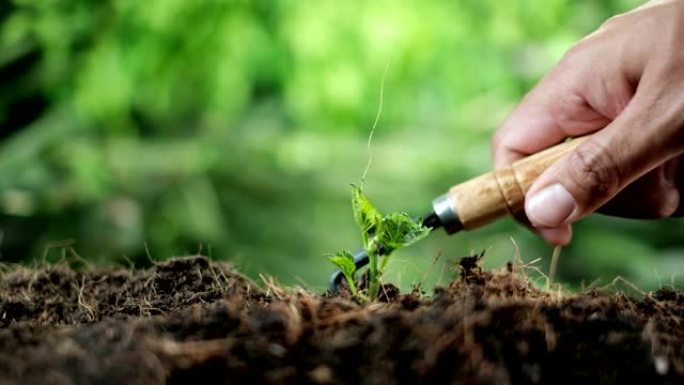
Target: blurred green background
137,129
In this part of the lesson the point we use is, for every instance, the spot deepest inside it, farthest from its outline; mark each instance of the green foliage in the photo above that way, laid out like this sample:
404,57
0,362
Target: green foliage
400,230
382,235
367,217
344,261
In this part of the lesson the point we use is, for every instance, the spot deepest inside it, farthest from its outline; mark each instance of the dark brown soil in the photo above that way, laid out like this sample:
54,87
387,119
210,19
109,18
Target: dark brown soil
191,321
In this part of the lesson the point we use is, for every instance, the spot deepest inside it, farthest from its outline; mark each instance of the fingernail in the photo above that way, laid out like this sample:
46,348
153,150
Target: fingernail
550,207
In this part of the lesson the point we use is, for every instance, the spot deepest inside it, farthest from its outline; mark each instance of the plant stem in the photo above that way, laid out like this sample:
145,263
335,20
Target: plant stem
383,264
352,286
373,278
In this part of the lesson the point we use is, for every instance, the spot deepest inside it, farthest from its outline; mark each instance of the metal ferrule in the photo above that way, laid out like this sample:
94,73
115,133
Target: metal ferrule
446,211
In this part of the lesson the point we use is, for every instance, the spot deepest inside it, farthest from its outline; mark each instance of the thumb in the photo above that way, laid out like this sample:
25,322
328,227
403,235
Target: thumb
597,170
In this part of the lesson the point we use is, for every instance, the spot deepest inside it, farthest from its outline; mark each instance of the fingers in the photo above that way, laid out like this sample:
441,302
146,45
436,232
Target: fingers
550,113
554,110
621,82
638,141
559,236
654,195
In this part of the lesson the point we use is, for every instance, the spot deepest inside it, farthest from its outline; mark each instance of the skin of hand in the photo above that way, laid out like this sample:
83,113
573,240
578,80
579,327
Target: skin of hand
625,82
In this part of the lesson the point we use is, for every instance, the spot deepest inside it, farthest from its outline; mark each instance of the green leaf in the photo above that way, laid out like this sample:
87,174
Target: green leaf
366,215
400,230
345,262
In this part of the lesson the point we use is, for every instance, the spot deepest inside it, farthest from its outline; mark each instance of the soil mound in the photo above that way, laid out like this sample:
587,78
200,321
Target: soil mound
192,321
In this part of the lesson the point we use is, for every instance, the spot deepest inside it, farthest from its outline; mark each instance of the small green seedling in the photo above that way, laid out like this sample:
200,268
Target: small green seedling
344,261
381,235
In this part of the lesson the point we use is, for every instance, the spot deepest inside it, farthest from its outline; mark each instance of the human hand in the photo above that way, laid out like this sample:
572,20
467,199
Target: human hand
626,82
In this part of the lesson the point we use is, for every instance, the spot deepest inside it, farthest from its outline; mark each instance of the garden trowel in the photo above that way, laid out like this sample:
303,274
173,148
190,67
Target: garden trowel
483,199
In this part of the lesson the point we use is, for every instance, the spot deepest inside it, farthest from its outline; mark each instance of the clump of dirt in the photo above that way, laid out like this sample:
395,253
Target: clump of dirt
485,328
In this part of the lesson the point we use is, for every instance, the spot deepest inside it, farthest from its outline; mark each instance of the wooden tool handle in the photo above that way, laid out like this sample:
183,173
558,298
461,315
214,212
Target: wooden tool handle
502,192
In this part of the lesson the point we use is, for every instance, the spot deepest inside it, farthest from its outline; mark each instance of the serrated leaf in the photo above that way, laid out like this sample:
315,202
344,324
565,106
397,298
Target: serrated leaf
345,262
366,215
400,230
